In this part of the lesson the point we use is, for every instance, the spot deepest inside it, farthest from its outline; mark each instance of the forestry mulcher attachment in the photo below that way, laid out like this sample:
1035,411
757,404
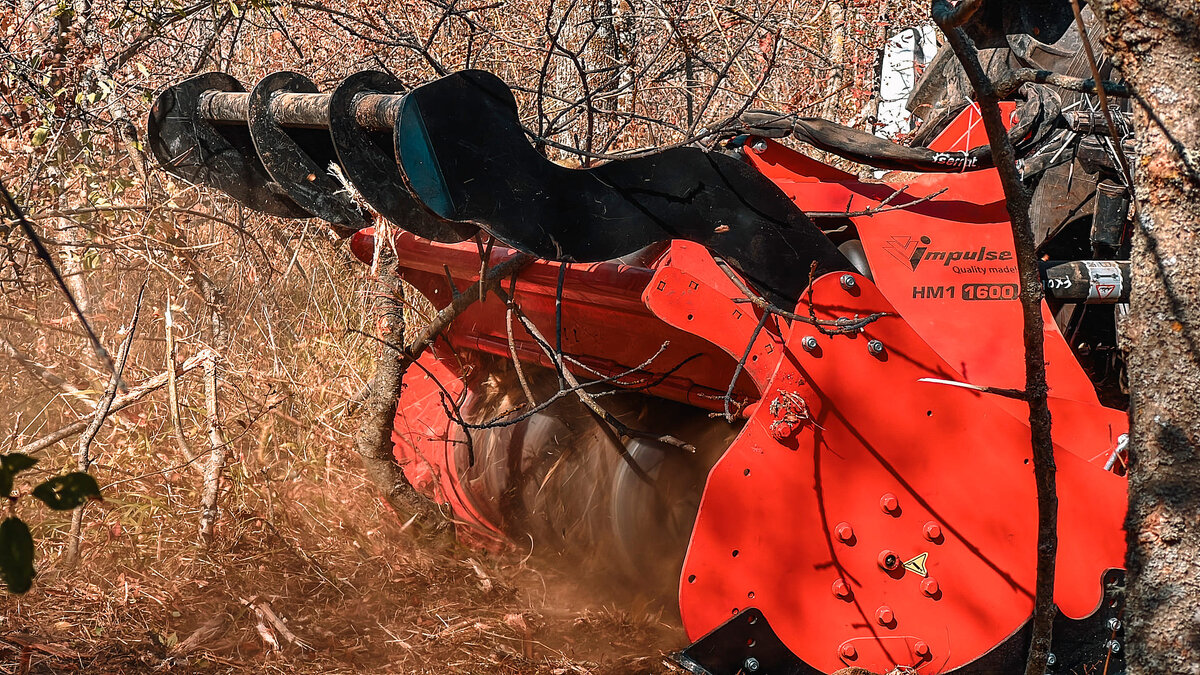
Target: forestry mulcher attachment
796,422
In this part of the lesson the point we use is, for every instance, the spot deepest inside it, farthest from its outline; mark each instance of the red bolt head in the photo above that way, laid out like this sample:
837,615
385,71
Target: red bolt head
781,431
841,589
930,587
884,615
932,531
889,503
843,531
888,560
847,651
921,649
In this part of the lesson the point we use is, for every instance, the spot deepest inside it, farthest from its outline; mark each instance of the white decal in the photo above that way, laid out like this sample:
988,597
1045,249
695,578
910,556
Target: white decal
1104,279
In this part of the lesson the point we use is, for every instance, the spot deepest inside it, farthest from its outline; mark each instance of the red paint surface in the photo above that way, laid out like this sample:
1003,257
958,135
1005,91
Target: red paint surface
951,456
605,324
955,460
964,216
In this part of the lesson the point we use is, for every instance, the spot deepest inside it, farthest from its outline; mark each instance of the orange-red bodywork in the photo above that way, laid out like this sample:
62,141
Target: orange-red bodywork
942,257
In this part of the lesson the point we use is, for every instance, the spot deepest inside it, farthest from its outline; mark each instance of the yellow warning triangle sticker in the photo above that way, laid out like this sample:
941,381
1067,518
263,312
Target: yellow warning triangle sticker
917,565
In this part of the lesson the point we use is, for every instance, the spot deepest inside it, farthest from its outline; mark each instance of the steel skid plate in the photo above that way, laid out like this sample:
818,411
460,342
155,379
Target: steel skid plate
746,643
877,520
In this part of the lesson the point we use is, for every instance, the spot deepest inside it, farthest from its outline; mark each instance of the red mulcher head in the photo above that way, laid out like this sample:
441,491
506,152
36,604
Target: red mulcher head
864,498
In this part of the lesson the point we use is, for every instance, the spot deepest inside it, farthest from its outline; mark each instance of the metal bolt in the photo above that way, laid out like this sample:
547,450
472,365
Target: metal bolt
1113,646
884,615
932,531
750,665
781,431
759,145
875,348
930,587
1114,624
889,503
841,589
848,281
844,532
848,652
809,343
921,649
1051,659
888,560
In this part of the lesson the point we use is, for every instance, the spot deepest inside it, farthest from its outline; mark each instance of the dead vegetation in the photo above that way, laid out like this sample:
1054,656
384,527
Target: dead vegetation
309,574
305,568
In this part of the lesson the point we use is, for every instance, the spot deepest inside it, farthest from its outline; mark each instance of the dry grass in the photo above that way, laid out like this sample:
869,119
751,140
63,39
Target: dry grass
330,561
301,537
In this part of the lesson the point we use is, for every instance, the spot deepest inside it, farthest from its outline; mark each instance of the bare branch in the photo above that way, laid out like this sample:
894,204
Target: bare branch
950,16
134,395
42,373
1009,84
44,255
1018,201
75,538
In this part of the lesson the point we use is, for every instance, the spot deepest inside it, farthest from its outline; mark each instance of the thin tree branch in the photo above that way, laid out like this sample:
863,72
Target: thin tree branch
83,455
134,395
42,373
1018,201
883,206
42,254
1103,96
1009,83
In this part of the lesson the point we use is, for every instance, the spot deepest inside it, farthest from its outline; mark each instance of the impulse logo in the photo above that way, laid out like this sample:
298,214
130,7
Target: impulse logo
912,251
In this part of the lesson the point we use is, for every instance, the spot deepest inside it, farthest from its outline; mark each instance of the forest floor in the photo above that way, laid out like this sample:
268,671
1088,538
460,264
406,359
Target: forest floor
318,578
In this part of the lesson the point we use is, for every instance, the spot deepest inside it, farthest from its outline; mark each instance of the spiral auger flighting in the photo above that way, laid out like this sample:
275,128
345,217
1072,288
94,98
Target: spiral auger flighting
271,148
450,157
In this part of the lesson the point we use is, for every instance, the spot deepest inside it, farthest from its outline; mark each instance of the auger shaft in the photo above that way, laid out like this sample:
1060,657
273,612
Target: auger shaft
301,111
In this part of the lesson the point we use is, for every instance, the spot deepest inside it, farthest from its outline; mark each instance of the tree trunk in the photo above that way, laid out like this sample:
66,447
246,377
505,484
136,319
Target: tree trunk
210,493
374,439
1154,45
837,59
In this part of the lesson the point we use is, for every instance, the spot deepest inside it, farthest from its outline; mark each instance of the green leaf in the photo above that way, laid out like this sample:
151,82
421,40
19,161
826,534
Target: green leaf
10,465
63,493
16,555
39,136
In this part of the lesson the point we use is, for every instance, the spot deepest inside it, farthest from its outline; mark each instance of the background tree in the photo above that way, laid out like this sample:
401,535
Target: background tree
1156,45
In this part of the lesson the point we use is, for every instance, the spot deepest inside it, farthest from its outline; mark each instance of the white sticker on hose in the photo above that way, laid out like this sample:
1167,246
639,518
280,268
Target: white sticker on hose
1104,279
